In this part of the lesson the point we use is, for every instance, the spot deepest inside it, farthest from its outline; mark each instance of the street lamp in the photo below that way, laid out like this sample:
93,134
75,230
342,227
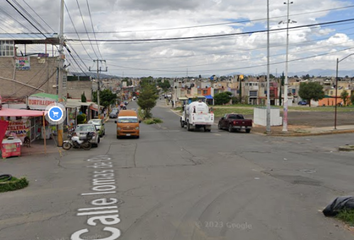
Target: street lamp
335,107
285,108
268,70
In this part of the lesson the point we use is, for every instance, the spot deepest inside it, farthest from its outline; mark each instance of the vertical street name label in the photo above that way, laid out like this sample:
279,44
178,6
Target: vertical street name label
103,214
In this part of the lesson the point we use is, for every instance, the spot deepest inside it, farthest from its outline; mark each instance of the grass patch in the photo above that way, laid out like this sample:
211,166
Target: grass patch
153,121
13,184
219,112
346,216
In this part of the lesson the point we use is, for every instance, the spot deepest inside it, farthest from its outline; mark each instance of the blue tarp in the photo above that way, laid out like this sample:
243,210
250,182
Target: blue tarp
209,97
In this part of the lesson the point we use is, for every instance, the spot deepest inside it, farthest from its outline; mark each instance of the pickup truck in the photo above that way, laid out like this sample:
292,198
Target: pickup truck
233,121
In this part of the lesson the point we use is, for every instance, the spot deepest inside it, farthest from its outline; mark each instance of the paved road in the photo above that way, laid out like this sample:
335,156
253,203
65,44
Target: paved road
172,184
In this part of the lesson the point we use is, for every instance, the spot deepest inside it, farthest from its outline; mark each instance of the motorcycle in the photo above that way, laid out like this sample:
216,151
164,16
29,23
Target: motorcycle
77,142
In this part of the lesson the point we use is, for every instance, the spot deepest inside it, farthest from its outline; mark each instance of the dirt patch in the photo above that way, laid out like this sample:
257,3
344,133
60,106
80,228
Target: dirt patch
317,119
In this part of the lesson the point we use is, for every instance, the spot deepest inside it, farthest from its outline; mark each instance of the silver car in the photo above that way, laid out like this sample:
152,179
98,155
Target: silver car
99,126
81,130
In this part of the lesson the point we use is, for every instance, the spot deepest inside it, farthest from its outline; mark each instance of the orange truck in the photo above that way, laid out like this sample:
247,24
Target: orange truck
128,124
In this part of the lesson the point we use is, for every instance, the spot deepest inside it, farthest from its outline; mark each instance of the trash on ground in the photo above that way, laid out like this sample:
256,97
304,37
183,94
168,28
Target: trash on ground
340,203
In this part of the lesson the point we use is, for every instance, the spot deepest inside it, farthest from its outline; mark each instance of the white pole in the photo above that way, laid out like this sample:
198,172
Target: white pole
268,64
60,75
285,109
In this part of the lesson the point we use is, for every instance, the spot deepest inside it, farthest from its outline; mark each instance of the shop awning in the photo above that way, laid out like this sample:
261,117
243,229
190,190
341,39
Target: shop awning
209,97
9,112
74,103
182,98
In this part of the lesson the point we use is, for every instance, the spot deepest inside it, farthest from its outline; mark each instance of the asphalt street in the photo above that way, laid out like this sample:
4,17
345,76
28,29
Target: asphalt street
172,184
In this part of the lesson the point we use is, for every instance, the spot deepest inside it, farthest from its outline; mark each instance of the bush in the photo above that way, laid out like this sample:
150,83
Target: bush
235,100
13,184
153,121
81,118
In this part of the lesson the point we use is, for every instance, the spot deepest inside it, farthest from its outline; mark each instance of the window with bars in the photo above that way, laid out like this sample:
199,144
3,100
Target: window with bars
253,94
7,48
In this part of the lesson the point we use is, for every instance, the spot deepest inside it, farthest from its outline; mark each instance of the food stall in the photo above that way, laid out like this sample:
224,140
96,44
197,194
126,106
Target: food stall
11,145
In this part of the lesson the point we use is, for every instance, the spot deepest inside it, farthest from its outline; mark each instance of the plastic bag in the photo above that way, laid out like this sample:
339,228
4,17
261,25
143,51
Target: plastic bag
340,203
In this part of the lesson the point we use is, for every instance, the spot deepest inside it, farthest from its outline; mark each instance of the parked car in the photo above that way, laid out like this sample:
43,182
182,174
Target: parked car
233,121
99,126
303,102
81,130
114,113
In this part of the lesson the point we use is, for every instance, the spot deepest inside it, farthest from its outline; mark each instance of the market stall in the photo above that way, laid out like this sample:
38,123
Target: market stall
11,145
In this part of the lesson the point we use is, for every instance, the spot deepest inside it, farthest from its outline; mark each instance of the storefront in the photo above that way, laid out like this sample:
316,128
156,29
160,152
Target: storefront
21,126
40,101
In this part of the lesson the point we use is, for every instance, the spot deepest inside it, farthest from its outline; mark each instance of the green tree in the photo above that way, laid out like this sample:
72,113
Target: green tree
352,99
311,90
307,76
146,81
235,100
83,97
106,97
344,96
222,98
164,85
147,99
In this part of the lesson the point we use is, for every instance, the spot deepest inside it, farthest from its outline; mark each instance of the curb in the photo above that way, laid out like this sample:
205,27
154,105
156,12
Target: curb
292,134
307,134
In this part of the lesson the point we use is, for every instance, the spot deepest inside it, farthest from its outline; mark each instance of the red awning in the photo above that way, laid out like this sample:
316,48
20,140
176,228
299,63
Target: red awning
9,112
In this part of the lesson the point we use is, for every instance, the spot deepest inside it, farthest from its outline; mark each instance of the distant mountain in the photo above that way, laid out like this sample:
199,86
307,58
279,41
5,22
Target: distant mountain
94,75
314,72
325,73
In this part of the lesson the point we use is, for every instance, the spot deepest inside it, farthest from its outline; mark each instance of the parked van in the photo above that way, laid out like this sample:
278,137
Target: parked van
128,124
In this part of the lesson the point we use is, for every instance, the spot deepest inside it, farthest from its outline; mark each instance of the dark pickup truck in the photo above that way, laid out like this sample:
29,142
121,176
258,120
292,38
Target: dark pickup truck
233,121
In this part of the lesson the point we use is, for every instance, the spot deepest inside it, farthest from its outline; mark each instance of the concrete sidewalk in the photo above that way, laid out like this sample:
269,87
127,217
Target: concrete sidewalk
294,130
38,147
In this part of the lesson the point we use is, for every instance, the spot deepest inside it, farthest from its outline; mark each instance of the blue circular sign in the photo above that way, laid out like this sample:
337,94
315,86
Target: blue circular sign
55,113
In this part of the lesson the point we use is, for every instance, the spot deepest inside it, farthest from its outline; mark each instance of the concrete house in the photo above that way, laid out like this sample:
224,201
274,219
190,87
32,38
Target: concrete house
24,72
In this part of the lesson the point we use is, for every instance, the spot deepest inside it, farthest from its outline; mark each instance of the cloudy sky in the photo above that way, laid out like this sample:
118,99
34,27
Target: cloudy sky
171,38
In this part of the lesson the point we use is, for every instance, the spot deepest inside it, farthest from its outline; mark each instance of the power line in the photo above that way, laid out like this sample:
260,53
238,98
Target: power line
29,15
42,83
223,23
231,69
11,17
212,36
77,56
75,61
72,22
39,16
78,5
17,90
88,7
26,18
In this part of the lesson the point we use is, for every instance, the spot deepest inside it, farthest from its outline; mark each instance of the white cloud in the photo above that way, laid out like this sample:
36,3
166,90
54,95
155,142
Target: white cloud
141,19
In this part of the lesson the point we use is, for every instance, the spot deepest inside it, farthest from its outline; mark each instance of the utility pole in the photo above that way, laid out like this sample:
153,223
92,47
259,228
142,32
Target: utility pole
286,83
268,70
98,69
60,69
335,106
